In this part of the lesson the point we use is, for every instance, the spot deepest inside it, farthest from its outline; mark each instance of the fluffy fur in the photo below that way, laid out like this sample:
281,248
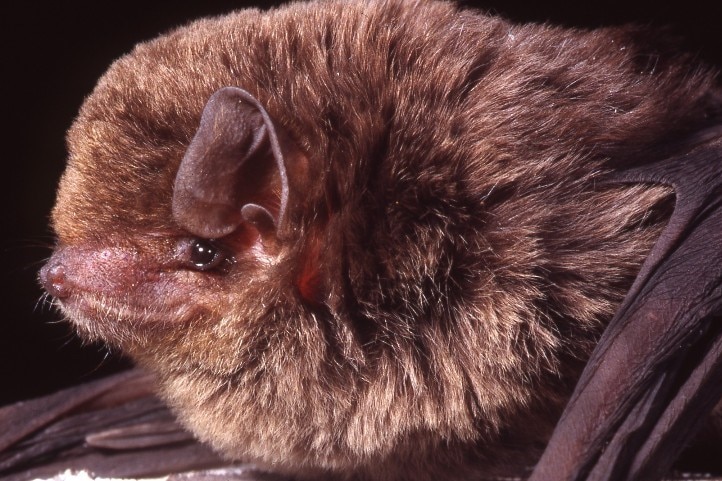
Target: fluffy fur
467,255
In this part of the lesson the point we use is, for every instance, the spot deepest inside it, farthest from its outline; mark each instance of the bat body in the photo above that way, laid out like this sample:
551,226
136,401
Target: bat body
370,240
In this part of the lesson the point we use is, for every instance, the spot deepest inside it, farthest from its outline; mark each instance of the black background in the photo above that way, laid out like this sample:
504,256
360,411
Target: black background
51,58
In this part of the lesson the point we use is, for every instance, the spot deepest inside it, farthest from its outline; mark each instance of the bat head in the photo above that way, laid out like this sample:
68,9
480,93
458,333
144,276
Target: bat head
229,200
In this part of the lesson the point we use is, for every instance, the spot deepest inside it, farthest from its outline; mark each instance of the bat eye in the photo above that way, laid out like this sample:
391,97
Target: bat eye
205,256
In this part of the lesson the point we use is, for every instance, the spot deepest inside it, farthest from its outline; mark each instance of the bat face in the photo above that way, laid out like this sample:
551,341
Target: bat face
364,239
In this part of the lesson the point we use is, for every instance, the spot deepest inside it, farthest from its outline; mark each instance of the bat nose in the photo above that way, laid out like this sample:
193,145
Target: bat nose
54,279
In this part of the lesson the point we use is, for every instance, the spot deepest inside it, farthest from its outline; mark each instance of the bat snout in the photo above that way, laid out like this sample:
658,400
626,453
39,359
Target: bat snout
54,279
87,269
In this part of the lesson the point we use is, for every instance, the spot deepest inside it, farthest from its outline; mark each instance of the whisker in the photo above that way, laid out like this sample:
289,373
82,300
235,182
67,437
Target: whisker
42,301
36,263
67,336
103,361
27,244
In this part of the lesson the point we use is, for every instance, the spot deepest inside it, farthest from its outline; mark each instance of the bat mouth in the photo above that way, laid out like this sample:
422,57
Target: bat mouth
103,318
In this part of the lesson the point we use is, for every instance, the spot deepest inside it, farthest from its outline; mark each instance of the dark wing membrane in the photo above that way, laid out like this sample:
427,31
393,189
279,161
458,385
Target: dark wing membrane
114,427
657,371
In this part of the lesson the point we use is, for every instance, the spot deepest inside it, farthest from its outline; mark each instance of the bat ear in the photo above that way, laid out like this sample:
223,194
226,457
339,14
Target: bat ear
234,170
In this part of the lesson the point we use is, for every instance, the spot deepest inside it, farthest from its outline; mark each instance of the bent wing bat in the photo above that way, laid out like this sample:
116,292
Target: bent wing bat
380,240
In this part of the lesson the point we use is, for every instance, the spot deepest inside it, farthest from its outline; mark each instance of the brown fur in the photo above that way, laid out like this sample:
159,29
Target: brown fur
467,255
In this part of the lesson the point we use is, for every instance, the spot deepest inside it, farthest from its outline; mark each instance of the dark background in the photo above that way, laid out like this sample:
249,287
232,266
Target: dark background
51,58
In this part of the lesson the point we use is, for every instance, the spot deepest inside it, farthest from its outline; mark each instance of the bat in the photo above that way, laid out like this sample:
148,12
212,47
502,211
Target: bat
381,240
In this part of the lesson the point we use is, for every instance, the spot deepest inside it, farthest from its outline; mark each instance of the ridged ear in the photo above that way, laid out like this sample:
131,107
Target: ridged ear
234,170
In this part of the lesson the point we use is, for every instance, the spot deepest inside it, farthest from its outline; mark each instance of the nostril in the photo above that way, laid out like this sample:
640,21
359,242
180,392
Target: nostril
54,280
